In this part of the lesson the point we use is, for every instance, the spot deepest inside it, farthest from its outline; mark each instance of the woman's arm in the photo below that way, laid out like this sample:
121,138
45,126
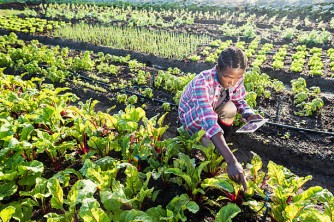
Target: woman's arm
234,168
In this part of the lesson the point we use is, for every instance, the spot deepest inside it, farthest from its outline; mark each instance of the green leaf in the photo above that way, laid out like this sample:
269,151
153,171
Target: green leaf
178,205
113,202
227,213
276,173
26,131
53,217
133,182
23,209
7,213
80,190
40,191
134,215
64,176
7,189
57,194
220,183
192,207
309,194
91,211
313,215
156,213
30,171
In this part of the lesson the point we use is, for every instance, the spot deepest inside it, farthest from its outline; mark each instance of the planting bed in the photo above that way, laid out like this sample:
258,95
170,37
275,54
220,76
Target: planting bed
304,153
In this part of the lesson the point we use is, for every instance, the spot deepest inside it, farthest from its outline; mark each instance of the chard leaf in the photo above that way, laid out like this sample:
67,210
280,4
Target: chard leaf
91,211
255,166
313,215
10,176
162,119
80,190
192,207
64,176
87,165
7,213
111,203
53,217
6,130
169,217
276,174
40,191
156,213
133,182
298,182
57,194
134,114
198,135
23,209
179,204
106,162
30,171
7,189
200,168
180,173
134,215
292,211
26,131
309,194
220,183
227,213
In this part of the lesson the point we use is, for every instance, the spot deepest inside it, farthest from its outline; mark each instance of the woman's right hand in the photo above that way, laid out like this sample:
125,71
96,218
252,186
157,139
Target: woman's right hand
236,173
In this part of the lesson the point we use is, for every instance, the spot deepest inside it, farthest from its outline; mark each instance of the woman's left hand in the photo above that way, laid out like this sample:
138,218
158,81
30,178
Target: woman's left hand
254,116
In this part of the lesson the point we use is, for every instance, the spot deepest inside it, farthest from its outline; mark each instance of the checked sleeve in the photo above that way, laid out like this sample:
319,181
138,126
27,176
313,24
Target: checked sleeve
238,98
207,118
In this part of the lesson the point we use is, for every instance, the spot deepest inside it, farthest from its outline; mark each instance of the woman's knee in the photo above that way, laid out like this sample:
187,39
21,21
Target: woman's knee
229,110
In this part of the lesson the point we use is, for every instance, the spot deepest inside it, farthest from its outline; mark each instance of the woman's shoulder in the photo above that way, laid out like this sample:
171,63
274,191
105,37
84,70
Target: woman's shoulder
206,76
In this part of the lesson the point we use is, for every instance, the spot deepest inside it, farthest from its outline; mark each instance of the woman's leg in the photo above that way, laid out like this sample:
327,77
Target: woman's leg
226,114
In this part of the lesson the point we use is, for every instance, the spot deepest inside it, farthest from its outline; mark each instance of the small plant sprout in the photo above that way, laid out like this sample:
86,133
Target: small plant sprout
166,107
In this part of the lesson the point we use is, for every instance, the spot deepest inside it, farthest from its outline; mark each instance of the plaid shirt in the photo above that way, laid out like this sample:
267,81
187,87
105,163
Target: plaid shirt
200,98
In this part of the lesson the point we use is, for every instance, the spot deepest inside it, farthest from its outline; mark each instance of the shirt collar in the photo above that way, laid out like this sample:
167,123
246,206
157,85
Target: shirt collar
216,82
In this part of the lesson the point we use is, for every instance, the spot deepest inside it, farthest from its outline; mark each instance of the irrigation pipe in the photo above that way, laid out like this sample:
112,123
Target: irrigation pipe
173,104
300,129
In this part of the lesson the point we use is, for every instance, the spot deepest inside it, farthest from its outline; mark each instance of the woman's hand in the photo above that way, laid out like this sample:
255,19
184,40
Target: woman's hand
236,173
254,116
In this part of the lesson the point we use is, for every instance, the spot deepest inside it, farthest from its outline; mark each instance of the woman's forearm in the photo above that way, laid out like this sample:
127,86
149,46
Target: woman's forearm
220,143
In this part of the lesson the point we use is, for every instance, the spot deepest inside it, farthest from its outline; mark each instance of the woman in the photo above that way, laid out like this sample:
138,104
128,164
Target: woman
210,102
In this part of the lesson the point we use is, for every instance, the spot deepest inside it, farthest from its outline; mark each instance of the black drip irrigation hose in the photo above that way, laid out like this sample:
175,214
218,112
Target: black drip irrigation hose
300,129
292,127
126,90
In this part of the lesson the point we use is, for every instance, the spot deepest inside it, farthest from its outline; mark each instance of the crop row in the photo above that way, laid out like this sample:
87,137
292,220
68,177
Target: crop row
181,46
141,15
68,163
59,64
227,25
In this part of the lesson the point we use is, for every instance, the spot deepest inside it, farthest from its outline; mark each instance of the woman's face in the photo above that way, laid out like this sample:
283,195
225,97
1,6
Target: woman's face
230,76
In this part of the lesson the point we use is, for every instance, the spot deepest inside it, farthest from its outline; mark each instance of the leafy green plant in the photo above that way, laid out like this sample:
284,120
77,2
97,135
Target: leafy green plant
227,213
177,206
122,98
288,203
194,58
215,159
188,174
308,100
166,107
148,92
